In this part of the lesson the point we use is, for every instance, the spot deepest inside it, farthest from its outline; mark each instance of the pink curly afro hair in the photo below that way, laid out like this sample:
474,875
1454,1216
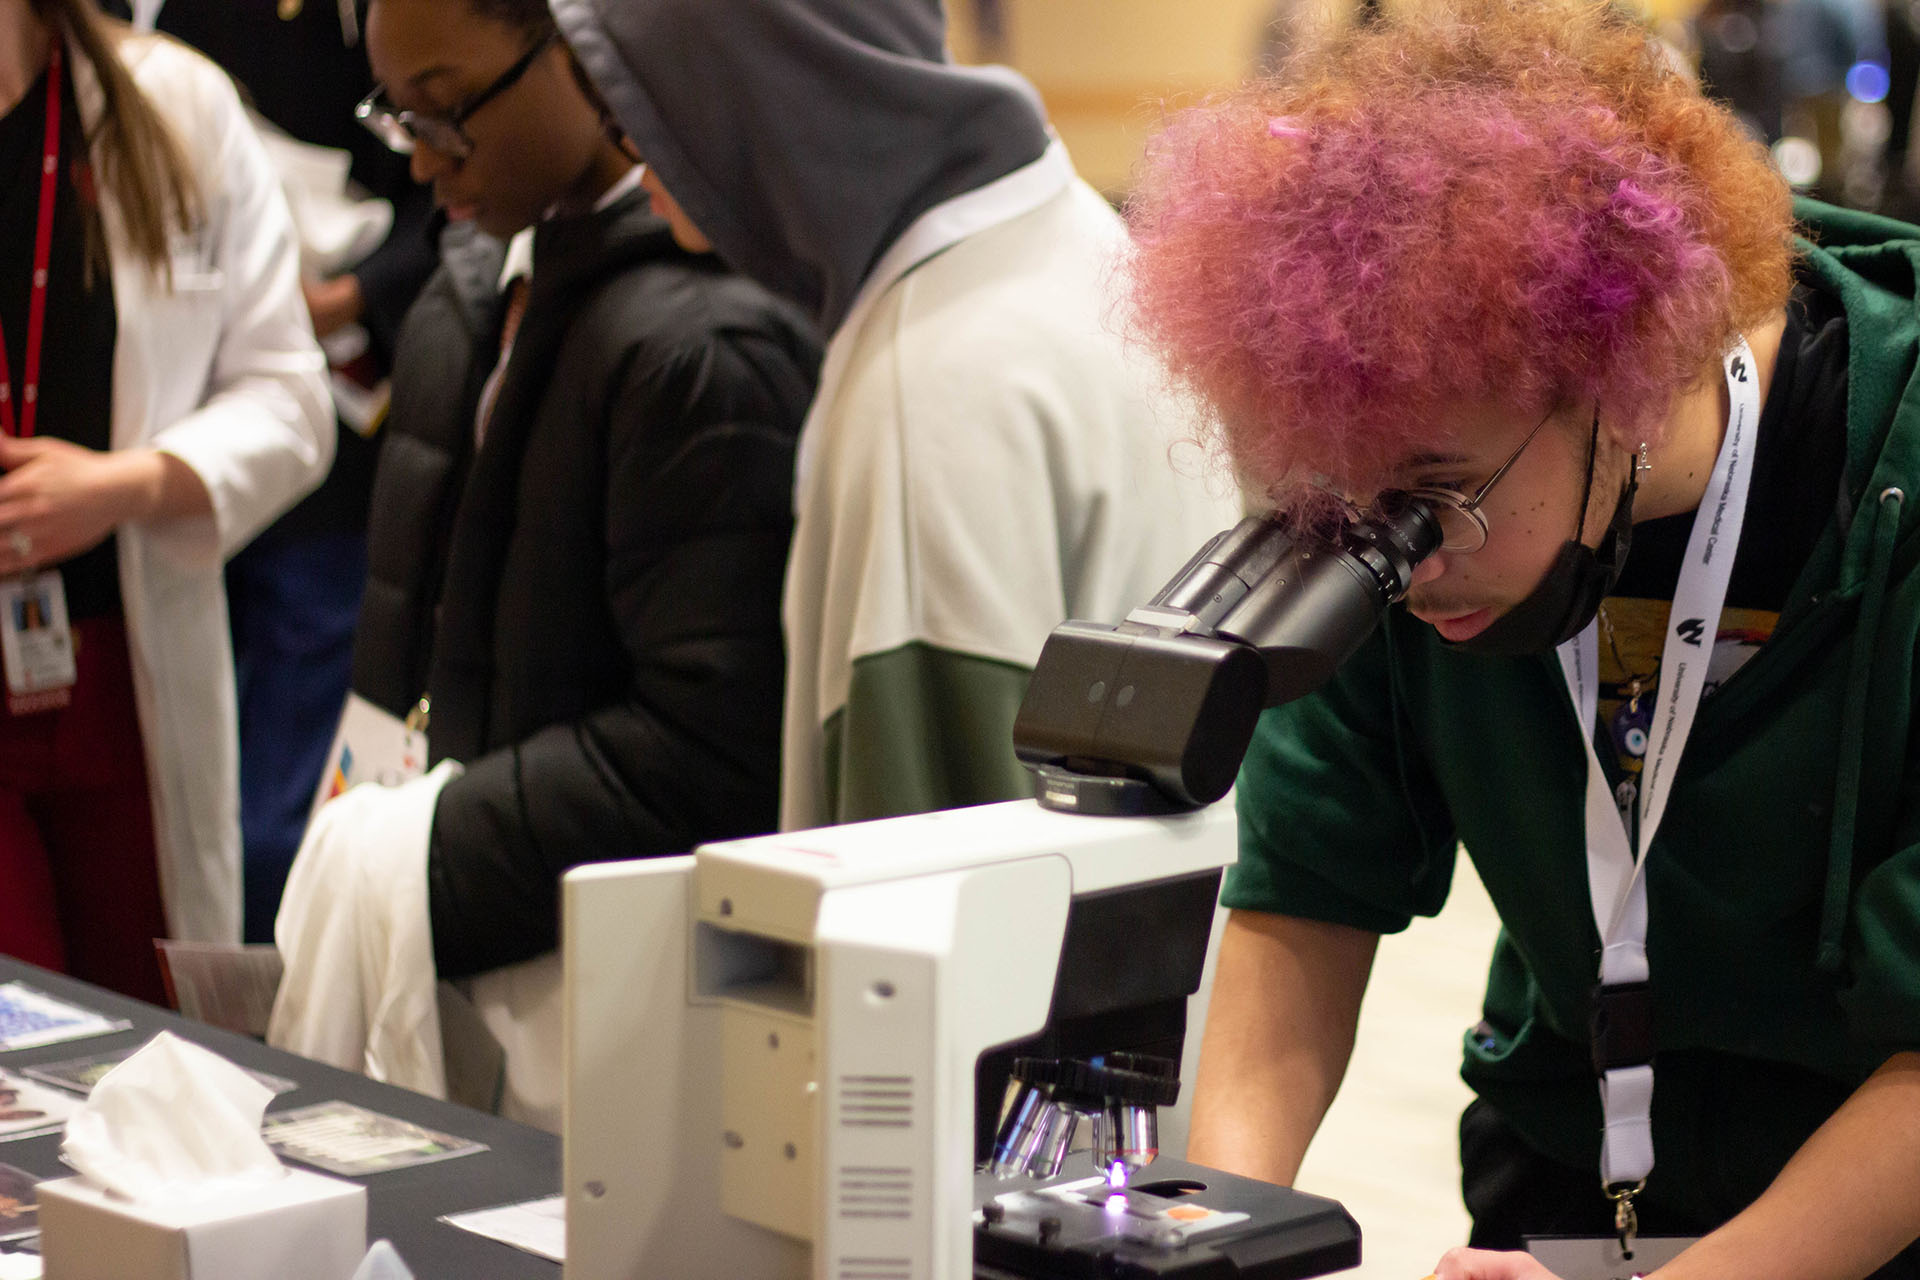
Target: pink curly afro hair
1517,201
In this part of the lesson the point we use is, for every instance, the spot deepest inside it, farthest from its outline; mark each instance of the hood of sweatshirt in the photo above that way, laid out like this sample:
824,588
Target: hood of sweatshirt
803,136
1872,263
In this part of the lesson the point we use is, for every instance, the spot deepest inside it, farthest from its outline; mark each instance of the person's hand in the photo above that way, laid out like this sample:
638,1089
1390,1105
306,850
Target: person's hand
59,499
1487,1264
333,304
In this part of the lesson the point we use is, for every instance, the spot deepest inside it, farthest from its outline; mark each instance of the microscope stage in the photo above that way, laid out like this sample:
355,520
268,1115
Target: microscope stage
1176,1220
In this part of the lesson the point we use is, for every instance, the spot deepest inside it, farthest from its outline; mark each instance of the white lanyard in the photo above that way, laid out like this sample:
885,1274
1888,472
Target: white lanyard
1616,878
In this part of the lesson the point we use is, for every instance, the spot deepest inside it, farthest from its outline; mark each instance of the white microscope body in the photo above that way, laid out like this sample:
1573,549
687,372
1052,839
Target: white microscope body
771,1044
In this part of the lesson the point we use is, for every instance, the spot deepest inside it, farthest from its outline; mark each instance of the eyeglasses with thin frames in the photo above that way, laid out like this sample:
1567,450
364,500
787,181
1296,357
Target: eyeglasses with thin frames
1463,526
402,130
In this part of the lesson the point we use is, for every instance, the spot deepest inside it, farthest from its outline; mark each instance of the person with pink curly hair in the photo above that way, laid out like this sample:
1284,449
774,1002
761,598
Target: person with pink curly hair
1501,259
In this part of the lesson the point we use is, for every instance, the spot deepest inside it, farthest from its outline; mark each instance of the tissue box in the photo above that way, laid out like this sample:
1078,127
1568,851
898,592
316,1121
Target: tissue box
301,1227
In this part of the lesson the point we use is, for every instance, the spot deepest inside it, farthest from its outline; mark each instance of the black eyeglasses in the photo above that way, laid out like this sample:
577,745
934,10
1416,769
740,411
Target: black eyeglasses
401,130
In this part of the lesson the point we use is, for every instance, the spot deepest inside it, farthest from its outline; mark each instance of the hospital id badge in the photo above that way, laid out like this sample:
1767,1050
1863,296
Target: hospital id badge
36,643
1600,1258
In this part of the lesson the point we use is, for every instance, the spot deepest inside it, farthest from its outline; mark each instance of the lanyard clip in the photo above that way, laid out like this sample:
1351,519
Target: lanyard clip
1626,1219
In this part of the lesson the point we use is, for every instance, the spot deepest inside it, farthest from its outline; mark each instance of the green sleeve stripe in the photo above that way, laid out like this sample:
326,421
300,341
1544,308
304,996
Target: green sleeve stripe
924,729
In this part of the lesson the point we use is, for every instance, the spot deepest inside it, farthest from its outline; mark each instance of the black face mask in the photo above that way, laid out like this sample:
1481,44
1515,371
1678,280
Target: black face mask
1569,596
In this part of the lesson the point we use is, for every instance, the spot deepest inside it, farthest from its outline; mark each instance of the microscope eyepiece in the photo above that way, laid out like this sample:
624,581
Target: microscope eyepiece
1153,714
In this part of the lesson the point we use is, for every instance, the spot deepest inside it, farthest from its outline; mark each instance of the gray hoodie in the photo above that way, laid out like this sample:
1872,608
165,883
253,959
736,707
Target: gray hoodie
803,136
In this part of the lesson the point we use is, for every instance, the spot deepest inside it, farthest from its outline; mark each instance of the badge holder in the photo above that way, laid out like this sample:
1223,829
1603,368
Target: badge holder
36,643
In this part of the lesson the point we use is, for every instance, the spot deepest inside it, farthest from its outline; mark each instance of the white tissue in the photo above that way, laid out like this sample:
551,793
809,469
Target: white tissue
383,1262
175,1121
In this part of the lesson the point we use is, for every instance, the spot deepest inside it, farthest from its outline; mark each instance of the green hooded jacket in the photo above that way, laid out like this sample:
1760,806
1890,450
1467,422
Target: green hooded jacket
1784,881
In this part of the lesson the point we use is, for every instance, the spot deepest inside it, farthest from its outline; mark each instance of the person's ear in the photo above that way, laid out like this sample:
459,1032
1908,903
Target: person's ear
1616,440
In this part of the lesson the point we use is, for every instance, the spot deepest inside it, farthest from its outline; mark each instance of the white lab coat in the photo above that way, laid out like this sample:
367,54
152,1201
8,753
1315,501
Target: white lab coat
222,372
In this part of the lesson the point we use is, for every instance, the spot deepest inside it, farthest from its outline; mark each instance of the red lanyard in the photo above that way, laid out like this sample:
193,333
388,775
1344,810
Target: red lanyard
42,254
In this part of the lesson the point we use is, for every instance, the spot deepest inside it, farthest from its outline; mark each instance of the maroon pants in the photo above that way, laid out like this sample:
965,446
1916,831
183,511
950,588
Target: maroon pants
79,881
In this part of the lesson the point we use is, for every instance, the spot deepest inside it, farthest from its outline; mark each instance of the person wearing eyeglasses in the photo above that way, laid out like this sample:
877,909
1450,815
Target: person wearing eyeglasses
1504,260
161,400
583,510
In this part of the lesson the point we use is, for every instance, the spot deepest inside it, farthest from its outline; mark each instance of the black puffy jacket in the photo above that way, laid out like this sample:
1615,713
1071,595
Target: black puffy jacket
592,598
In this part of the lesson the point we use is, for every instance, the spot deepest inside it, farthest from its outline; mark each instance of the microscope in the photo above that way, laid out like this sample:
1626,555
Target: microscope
1152,716
865,1052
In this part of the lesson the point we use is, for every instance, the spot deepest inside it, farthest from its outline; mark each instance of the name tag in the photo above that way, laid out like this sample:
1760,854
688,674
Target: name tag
371,746
1599,1257
36,643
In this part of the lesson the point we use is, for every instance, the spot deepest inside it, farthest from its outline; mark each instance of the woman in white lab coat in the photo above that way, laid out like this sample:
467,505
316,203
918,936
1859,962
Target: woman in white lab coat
180,405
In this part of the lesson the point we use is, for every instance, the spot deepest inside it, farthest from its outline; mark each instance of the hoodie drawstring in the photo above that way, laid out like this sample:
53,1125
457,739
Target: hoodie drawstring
1846,785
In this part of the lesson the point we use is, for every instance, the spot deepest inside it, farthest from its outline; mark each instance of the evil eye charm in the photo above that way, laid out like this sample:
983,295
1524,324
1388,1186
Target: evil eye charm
1629,727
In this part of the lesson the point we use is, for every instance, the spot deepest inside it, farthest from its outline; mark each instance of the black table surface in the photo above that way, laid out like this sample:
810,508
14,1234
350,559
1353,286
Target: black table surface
403,1205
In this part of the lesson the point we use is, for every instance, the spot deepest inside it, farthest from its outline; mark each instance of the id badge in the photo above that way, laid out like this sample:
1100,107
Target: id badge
1599,1257
36,643
372,746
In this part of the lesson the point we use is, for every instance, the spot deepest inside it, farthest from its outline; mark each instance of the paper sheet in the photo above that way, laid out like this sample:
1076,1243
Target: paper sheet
79,1075
538,1227
27,1108
29,1018
341,1138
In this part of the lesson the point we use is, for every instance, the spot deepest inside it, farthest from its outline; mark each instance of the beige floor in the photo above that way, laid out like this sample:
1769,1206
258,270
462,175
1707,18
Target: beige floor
1387,1150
